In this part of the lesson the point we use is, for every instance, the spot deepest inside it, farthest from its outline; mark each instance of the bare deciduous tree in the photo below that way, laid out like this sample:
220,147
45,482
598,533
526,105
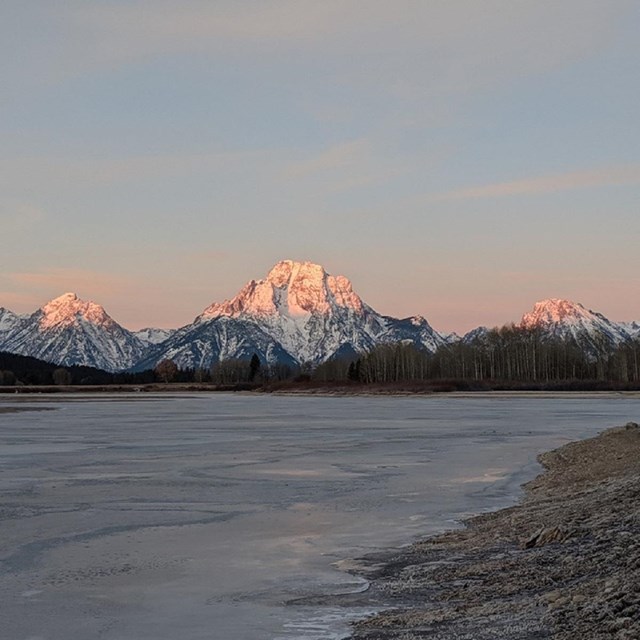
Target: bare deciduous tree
166,370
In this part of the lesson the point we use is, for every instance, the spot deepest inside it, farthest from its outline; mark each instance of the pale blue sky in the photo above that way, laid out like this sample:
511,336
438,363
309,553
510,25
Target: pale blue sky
455,159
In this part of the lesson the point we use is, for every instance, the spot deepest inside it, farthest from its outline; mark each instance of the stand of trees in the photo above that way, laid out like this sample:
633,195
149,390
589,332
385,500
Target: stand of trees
24,370
236,371
509,354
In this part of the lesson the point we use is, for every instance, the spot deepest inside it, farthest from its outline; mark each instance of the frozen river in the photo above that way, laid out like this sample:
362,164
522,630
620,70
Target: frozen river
204,516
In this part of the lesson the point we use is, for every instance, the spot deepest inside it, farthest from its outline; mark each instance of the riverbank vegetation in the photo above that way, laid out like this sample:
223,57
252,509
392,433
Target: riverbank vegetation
509,358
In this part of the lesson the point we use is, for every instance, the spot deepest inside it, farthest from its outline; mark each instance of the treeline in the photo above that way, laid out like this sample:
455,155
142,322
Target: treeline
25,370
508,354
17,370
233,371
509,357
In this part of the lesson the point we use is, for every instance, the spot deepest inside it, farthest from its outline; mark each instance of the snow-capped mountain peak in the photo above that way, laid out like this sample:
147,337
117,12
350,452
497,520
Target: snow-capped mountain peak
292,289
298,313
68,309
310,289
71,331
568,320
8,322
552,311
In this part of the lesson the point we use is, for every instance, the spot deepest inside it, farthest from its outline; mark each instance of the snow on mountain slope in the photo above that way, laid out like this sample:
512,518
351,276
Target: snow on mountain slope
452,338
310,313
568,320
207,341
292,289
314,314
9,321
299,313
152,335
475,336
70,331
415,330
632,328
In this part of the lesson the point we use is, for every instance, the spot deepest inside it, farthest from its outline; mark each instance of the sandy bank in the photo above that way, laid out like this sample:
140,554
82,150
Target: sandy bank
563,564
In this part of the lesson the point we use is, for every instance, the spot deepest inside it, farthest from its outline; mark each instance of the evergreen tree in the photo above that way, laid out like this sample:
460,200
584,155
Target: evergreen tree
254,367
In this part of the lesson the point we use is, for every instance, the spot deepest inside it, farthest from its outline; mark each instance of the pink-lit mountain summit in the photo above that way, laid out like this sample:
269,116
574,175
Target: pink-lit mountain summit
297,314
567,320
292,289
68,330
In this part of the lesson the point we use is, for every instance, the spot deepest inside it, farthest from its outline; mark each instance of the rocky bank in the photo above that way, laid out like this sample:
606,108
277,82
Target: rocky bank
563,564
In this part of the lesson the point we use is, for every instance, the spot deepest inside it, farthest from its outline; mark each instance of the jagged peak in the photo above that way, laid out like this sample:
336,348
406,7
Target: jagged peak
7,312
632,328
69,295
285,271
65,300
8,319
417,320
554,311
67,308
292,289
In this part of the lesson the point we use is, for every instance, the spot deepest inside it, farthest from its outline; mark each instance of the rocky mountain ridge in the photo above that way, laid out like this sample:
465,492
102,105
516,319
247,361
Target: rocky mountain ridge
571,321
153,335
297,314
8,322
71,331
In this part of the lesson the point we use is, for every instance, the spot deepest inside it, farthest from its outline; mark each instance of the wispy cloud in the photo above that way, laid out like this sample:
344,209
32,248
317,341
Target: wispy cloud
604,177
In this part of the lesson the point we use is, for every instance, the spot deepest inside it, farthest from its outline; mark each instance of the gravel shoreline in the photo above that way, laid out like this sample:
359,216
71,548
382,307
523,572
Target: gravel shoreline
563,564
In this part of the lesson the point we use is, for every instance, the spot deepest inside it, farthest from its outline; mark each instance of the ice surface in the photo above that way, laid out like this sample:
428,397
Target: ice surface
160,517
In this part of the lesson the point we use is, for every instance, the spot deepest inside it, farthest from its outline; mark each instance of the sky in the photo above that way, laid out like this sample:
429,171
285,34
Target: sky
455,159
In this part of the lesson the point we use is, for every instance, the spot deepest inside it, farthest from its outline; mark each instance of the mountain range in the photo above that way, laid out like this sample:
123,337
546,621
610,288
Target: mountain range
297,314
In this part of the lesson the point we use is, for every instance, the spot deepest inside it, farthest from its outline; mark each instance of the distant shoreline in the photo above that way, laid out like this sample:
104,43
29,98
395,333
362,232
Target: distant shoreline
564,563
319,391
155,387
